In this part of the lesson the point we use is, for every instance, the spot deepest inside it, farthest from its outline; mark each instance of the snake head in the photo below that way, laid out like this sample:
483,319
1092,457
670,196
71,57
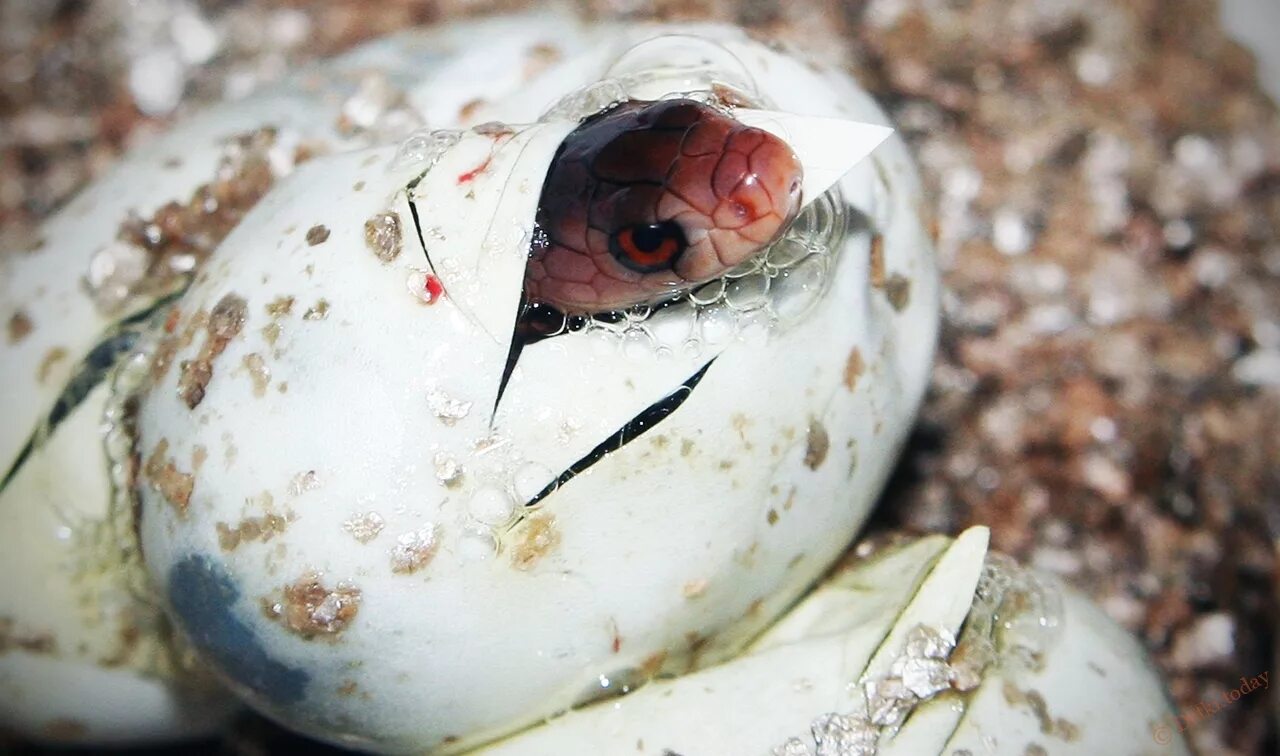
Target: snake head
648,198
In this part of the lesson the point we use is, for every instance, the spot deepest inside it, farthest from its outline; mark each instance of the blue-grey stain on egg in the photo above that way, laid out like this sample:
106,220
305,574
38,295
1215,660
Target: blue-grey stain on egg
204,597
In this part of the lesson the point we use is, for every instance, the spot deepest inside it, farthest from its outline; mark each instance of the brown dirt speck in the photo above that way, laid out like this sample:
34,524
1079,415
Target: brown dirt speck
898,291
35,643
817,445
538,538
225,322
175,486
317,311
280,306
259,373
695,588
652,664
312,610
853,368
20,326
383,236
877,261
64,729
249,530
1059,727
317,234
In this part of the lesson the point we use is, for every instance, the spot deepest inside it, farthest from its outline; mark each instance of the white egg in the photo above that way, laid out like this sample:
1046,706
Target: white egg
932,647
377,542
85,652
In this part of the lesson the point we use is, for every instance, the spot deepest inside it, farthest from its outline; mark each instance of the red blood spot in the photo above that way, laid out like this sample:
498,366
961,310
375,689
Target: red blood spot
617,643
171,322
471,174
434,288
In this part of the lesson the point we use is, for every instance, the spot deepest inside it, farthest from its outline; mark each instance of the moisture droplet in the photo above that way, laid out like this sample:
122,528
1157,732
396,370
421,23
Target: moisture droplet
797,290
786,252
424,147
717,325
586,101
748,293
478,543
491,506
637,343
681,63
709,293
529,480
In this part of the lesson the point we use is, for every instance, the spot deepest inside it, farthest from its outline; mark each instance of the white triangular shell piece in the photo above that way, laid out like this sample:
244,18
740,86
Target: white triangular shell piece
828,148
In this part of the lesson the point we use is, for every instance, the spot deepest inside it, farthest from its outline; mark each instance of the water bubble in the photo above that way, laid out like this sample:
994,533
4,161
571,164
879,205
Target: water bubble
478,543
786,252
745,294
683,64
638,313
709,293
423,148
529,480
717,325
587,101
670,326
797,290
1016,612
491,506
637,342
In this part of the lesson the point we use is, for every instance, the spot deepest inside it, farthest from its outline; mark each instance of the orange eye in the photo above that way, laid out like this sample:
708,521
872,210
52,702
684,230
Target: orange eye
648,248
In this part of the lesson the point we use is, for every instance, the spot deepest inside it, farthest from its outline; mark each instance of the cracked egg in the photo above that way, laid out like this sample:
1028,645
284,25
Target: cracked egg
437,437
542,374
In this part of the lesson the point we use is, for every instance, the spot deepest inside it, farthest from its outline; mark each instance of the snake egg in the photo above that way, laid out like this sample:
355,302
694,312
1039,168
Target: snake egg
500,515
399,486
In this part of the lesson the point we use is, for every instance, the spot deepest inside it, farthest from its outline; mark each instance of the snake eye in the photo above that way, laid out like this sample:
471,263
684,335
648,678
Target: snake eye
647,248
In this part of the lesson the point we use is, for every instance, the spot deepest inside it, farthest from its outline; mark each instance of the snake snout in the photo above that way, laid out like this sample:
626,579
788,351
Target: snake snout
759,182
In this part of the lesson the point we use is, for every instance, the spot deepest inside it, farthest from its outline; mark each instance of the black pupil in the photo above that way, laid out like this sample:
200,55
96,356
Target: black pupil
649,238
646,239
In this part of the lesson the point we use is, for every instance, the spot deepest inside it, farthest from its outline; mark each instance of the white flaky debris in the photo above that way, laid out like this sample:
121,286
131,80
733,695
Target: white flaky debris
448,471
413,550
840,735
447,409
921,672
365,527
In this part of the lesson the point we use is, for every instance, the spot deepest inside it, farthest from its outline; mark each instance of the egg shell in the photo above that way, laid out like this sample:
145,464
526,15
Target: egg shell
81,658
1095,693
374,609
77,643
